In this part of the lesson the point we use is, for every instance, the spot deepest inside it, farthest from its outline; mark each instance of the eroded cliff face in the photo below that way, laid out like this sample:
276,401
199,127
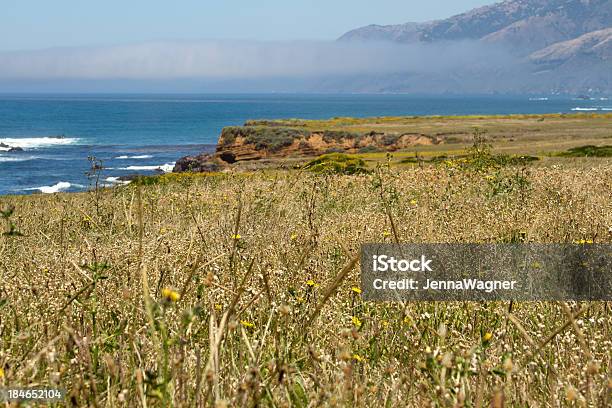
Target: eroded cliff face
269,140
258,142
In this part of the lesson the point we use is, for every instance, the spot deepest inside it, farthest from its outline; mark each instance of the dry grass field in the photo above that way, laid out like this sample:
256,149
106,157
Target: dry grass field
242,289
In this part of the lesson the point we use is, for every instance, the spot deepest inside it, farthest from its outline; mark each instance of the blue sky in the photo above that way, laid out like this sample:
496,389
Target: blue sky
36,24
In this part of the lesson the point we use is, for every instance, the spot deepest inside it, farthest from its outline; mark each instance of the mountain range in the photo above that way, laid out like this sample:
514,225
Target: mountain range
558,46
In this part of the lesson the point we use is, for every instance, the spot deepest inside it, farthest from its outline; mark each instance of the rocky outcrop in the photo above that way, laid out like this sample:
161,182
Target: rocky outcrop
8,148
203,163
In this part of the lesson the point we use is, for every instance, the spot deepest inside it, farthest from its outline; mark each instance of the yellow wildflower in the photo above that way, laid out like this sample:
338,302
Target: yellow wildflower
407,320
310,283
385,323
236,237
247,324
356,290
413,202
218,307
293,237
356,321
1,372
487,336
358,358
170,295
386,234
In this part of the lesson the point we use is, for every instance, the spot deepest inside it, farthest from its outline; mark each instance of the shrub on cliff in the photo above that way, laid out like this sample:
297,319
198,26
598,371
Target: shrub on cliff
336,163
330,136
273,139
263,138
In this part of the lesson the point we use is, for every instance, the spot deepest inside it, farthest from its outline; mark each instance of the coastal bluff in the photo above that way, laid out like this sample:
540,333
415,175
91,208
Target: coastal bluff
265,140
260,143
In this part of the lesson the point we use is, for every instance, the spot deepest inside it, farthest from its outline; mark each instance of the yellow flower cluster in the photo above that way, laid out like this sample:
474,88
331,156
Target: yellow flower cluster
583,241
170,295
358,358
247,324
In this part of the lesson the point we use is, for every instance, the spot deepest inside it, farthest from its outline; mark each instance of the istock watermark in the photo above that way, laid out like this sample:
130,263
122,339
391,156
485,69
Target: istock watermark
448,272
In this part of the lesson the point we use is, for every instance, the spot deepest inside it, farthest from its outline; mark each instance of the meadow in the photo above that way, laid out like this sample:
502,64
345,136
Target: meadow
242,289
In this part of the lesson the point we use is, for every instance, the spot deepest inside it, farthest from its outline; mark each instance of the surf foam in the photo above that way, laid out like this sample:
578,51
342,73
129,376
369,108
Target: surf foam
115,180
144,156
166,168
61,186
37,142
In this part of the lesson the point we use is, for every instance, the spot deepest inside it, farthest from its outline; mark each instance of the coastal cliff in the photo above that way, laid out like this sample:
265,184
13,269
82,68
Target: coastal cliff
261,140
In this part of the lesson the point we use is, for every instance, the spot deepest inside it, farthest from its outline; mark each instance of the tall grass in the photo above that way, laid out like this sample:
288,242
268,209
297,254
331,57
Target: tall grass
235,290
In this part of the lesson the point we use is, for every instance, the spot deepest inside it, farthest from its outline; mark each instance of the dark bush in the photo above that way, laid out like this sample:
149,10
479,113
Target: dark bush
370,149
588,151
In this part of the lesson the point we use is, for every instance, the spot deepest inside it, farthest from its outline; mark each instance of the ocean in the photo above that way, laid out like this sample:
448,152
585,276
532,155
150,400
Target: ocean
146,134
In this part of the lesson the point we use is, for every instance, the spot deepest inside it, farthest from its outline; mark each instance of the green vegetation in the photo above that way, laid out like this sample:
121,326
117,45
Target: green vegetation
369,149
588,151
167,178
263,137
336,163
339,135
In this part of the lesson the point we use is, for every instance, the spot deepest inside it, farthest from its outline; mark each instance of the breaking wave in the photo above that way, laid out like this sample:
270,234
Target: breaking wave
166,168
36,142
61,186
144,156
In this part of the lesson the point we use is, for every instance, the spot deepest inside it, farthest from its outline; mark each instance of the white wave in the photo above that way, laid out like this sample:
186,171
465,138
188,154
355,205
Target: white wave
538,99
144,156
61,186
37,142
166,168
585,109
4,159
115,180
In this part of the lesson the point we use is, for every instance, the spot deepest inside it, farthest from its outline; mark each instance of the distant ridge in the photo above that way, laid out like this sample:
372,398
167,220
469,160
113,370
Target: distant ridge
553,35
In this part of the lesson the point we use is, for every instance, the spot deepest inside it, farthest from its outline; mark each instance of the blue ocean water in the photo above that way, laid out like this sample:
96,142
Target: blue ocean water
145,134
